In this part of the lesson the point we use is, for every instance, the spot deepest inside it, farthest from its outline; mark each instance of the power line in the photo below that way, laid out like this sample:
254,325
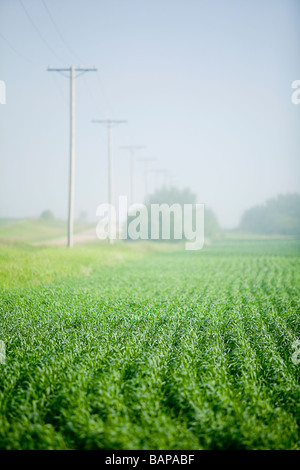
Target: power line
112,111
156,173
132,149
161,172
38,31
15,50
71,50
71,71
147,171
59,89
59,32
110,123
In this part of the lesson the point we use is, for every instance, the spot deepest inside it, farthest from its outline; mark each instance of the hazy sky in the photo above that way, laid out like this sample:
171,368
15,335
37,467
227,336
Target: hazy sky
204,85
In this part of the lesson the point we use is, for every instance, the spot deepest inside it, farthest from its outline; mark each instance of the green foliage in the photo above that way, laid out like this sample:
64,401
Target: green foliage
24,265
211,226
157,349
174,196
36,230
47,215
171,196
280,216
83,216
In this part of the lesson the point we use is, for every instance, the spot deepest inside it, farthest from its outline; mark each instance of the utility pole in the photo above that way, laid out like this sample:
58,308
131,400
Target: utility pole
171,179
147,170
110,123
166,173
132,149
159,183
72,70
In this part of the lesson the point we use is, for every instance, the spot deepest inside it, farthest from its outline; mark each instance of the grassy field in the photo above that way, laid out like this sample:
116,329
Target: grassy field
36,230
143,346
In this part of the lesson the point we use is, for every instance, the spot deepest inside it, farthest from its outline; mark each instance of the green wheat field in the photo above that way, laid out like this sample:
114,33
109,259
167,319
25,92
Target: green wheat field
148,346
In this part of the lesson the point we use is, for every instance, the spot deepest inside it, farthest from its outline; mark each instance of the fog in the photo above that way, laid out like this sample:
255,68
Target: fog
205,88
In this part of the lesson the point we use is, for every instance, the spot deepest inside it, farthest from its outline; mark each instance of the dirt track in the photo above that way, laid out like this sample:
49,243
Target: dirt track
78,238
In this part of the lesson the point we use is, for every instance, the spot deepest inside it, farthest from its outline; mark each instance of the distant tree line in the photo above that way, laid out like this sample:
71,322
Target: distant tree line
47,215
278,216
171,196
